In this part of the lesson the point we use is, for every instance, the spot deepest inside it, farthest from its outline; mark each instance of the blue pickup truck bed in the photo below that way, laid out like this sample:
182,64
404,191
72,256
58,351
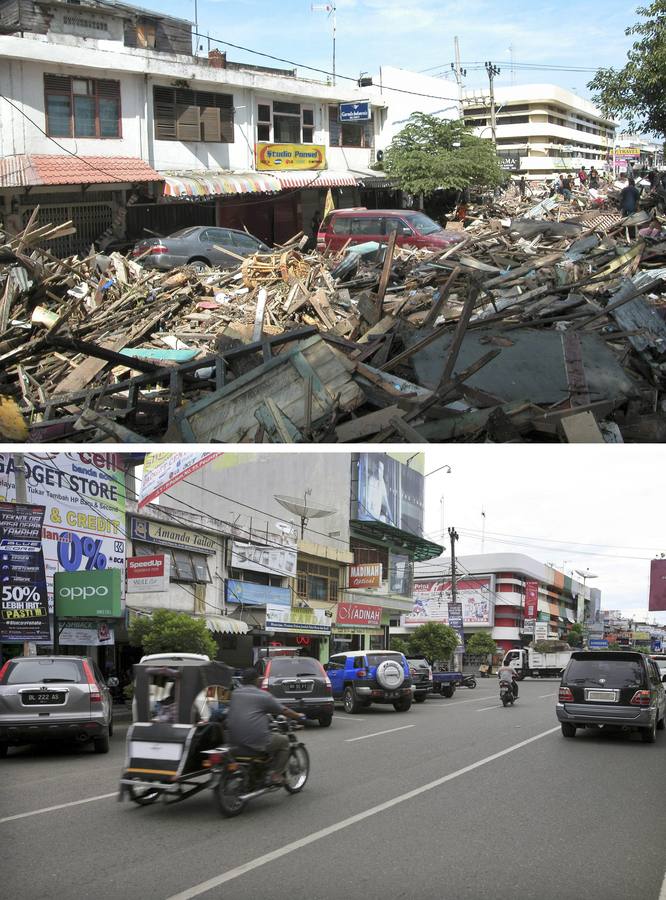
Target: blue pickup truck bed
445,683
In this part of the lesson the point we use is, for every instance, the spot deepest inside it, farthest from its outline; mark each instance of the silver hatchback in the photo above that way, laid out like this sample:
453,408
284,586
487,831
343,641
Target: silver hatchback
44,698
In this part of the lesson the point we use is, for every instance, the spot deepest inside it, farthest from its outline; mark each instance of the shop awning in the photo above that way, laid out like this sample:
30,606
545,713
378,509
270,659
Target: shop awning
203,185
417,548
322,179
368,178
225,625
36,170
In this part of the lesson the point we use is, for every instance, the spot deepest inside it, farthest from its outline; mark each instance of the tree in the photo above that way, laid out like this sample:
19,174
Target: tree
431,153
433,641
400,645
481,644
172,632
637,92
575,636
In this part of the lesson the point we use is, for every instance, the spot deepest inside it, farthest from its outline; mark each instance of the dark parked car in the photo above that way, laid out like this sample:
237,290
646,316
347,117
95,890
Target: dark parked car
612,689
197,246
301,683
54,698
376,676
421,672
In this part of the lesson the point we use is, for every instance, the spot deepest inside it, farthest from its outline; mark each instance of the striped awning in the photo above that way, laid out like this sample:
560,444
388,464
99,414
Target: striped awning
202,186
322,179
225,625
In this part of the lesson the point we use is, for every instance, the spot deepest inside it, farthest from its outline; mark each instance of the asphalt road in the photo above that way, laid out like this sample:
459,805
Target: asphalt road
457,798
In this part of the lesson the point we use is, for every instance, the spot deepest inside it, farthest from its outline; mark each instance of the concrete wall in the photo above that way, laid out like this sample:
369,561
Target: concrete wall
254,478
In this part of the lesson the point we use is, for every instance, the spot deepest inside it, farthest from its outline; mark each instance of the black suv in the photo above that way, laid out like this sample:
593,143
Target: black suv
421,672
614,690
299,682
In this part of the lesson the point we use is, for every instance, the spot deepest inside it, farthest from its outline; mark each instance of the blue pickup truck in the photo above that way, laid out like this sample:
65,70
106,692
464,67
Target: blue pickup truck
429,679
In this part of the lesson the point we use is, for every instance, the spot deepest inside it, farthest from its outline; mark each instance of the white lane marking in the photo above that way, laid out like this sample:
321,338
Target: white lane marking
460,702
662,892
484,708
348,719
364,737
259,861
543,696
39,812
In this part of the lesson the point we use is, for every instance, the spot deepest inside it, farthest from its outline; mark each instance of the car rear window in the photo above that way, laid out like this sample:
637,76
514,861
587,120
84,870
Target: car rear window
611,673
374,659
300,665
44,670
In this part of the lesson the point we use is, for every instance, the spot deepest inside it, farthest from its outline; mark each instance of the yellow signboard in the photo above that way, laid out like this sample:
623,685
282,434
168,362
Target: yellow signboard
627,151
290,157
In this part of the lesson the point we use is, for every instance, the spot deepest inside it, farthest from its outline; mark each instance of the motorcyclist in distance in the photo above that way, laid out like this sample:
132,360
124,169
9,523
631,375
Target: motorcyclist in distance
248,722
506,673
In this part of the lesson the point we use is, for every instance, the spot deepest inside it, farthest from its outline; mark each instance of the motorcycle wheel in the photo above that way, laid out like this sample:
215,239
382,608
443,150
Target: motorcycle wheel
471,683
143,796
297,770
505,700
228,792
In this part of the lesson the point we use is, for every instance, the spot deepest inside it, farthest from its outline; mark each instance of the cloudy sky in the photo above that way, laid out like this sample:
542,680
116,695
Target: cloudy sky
576,507
418,34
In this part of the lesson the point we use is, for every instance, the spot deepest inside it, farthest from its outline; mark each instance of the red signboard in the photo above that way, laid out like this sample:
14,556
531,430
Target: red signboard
657,585
359,614
368,575
531,599
148,573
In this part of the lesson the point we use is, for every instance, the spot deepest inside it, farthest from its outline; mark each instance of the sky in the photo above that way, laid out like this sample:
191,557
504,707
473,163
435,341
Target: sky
575,507
418,35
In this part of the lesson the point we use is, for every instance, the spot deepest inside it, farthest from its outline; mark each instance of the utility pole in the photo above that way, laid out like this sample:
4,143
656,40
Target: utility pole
483,529
458,72
453,536
492,71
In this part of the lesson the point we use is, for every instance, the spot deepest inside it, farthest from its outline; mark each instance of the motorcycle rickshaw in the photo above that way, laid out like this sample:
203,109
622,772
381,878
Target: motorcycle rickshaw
178,707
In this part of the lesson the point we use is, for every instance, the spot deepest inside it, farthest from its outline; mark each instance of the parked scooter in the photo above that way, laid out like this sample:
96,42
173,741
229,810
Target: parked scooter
507,693
469,681
238,778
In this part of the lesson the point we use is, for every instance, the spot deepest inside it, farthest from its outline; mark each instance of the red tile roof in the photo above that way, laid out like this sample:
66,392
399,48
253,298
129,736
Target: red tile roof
36,169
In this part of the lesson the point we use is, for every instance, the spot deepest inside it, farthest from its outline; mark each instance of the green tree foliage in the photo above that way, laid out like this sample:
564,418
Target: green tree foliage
637,92
431,153
481,644
400,645
172,632
575,636
433,641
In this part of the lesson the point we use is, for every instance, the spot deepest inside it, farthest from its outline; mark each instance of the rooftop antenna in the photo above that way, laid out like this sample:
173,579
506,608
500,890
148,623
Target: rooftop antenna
330,10
303,509
513,67
483,529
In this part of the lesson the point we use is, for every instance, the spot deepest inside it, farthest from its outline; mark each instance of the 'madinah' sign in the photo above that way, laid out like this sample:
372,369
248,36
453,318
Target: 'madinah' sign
359,614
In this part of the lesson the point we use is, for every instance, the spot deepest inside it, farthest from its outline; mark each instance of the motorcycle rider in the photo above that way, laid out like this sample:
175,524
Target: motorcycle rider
248,720
506,673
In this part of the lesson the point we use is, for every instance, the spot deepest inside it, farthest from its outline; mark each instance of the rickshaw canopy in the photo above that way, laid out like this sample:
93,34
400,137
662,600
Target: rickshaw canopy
190,677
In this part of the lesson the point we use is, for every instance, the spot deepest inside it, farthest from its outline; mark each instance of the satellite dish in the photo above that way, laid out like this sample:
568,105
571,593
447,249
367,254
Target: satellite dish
299,507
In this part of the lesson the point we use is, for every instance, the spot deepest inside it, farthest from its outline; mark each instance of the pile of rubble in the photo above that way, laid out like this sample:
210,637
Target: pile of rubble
544,322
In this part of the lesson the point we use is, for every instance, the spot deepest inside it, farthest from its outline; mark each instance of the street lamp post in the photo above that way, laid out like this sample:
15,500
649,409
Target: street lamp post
585,575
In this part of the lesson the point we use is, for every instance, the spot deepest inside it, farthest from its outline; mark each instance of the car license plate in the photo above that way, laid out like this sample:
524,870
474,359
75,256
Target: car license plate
601,696
39,698
297,686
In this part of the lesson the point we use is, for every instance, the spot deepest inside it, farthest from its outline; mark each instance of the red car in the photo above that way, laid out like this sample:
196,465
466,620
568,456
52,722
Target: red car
357,226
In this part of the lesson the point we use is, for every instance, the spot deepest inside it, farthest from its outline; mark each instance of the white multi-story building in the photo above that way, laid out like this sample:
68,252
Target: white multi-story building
544,128
108,118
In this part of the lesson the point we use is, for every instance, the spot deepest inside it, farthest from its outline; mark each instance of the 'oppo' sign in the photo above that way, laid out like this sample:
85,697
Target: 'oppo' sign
88,594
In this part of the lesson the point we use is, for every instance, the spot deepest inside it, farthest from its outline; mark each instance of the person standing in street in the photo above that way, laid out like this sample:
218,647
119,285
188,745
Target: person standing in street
629,198
582,177
521,187
594,179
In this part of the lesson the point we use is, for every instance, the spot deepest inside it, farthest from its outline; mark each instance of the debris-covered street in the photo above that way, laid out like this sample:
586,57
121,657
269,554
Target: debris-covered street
543,322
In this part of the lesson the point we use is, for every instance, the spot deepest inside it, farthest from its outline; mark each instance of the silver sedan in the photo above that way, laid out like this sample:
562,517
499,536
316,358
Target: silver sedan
198,246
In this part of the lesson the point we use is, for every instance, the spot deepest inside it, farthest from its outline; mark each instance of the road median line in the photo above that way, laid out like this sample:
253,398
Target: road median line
230,875
46,809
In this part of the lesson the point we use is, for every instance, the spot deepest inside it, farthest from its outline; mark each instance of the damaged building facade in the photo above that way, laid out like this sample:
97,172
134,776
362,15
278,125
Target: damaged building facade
111,121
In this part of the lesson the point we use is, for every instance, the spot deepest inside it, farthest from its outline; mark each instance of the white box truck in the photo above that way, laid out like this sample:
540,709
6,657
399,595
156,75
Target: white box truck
527,661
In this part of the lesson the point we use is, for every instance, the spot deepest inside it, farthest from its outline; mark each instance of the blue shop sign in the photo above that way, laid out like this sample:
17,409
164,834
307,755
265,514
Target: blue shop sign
250,594
597,643
355,112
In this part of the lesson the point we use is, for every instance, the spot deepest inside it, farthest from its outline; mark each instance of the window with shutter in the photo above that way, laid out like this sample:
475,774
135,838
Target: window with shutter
83,107
184,115
164,104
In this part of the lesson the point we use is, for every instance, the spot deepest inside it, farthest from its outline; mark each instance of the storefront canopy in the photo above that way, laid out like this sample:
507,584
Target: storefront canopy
225,625
322,179
37,170
417,548
204,185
